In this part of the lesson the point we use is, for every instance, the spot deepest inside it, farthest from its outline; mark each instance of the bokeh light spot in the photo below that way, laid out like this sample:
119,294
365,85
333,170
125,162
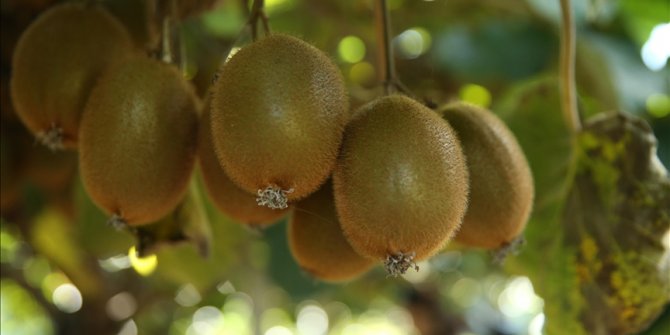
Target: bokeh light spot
409,44
20,313
535,326
419,276
465,291
129,328
208,314
8,244
476,95
362,73
144,265
67,298
413,42
121,306
658,105
273,317
210,320
225,287
656,50
312,320
115,263
519,298
187,296
278,330
426,38
351,49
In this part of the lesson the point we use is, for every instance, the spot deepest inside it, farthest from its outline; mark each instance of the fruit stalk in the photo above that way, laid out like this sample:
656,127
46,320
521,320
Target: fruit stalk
567,68
256,14
166,48
386,61
169,34
382,23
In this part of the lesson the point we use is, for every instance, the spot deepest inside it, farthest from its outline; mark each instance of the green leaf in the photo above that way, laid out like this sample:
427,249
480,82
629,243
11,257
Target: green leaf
615,216
532,111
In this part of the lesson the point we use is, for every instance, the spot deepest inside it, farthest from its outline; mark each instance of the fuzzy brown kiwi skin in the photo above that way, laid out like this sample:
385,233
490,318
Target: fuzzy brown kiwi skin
278,113
225,195
56,63
139,140
386,190
501,183
317,243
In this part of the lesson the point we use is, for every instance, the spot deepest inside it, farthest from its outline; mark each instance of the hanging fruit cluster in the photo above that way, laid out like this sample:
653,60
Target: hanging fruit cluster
391,182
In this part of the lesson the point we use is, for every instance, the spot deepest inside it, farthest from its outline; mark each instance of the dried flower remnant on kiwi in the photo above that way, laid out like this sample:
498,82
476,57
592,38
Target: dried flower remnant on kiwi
399,263
117,222
511,248
52,138
273,197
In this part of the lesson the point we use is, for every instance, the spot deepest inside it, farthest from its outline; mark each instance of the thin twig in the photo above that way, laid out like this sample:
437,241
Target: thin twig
382,23
170,48
567,68
386,61
166,40
245,7
256,14
253,15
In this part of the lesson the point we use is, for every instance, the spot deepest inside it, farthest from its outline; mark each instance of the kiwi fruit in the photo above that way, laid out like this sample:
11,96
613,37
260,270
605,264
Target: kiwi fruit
139,140
226,196
56,63
278,113
501,184
401,182
317,243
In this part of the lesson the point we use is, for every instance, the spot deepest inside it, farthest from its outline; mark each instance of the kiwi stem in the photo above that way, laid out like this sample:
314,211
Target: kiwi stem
257,13
273,197
245,7
383,26
399,263
166,52
382,23
511,247
169,35
52,138
253,15
567,68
